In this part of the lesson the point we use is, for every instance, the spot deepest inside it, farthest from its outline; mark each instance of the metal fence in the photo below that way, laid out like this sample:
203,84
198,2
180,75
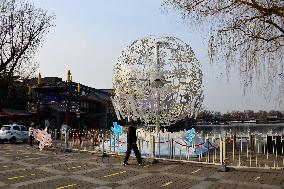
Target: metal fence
235,150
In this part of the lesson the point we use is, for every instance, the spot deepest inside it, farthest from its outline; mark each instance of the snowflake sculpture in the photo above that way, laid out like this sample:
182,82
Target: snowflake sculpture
157,80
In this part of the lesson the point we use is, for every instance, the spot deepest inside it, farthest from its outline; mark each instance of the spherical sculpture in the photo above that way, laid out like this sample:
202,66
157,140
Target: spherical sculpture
157,80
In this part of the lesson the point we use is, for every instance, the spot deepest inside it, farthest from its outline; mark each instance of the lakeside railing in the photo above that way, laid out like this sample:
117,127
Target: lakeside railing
249,149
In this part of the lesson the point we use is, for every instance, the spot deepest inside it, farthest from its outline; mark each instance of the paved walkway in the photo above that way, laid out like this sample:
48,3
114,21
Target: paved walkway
23,167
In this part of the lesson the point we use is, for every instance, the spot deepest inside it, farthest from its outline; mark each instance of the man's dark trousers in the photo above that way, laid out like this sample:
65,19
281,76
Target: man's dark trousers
31,140
132,146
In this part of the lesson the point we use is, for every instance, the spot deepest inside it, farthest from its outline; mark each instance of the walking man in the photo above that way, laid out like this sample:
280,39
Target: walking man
31,130
131,145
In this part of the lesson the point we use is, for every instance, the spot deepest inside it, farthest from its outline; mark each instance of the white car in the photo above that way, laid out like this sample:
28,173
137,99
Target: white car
13,133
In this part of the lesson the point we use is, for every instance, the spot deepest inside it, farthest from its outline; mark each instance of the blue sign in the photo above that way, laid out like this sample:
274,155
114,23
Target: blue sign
116,129
190,135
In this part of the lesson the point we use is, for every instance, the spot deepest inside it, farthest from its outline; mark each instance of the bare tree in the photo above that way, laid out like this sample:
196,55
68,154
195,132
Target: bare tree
247,33
22,30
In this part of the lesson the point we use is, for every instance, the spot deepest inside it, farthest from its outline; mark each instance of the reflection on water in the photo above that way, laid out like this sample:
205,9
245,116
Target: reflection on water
242,129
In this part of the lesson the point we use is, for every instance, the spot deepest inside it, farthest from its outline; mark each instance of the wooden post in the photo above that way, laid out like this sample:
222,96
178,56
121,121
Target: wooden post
103,141
110,142
239,158
241,141
159,144
114,143
221,151
117,143
153,146
224,148
208,150
250,159
233,150
256,160
247,148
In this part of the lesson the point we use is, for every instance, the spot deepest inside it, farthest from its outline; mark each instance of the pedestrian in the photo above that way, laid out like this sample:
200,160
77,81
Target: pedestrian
131,145
31,130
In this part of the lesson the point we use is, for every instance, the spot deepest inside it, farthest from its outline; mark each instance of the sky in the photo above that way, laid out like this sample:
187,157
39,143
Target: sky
89,36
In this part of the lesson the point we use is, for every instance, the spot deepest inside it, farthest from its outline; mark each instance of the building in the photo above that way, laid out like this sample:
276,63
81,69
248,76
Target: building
54,102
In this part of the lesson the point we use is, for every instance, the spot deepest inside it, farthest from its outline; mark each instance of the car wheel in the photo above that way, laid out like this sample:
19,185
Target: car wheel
13,140
1,141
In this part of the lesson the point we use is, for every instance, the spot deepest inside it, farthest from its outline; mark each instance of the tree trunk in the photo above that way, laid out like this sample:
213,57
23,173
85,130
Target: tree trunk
3,93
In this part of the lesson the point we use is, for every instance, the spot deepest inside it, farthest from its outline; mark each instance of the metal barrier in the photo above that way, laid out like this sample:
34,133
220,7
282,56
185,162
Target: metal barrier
232,150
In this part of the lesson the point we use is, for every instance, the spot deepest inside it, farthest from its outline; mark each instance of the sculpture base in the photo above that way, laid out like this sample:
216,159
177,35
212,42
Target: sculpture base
223,168
154,161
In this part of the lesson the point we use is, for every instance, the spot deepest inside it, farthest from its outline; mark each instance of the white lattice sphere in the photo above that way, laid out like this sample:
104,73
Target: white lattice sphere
157,75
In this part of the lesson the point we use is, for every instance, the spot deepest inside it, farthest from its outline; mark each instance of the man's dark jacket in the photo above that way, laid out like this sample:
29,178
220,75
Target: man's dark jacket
131,135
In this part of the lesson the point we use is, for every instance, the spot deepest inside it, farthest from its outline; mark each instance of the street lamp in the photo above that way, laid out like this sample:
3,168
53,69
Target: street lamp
39,82
69,76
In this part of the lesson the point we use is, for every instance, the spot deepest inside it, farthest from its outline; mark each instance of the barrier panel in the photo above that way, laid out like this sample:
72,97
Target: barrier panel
243,150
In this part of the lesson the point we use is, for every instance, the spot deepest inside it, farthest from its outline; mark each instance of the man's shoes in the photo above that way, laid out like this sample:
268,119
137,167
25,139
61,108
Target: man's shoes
125,164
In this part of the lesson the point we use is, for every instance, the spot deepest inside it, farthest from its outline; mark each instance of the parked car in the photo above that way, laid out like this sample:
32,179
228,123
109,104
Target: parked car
13,133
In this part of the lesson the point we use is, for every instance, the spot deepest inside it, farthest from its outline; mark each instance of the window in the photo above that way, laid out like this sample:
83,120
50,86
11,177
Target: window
5,128
23,128
17,128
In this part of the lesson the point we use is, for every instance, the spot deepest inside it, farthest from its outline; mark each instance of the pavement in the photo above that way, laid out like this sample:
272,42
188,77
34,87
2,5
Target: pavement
24,167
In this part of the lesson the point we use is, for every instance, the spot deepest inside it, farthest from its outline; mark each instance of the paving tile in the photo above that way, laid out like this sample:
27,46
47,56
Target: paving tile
73,166
260,177
9,166
61,183
112,174
193,169
163,181
231,186
44,160
22,175
22,156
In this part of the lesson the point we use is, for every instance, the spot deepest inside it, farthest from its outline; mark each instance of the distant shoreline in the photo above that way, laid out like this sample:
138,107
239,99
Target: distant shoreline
245,125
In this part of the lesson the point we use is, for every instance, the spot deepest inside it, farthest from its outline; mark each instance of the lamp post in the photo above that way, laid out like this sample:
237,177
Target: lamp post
39,82
78,112
67,118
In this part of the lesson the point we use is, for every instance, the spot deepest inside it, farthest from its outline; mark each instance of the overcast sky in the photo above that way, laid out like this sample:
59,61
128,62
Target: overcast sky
90,34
